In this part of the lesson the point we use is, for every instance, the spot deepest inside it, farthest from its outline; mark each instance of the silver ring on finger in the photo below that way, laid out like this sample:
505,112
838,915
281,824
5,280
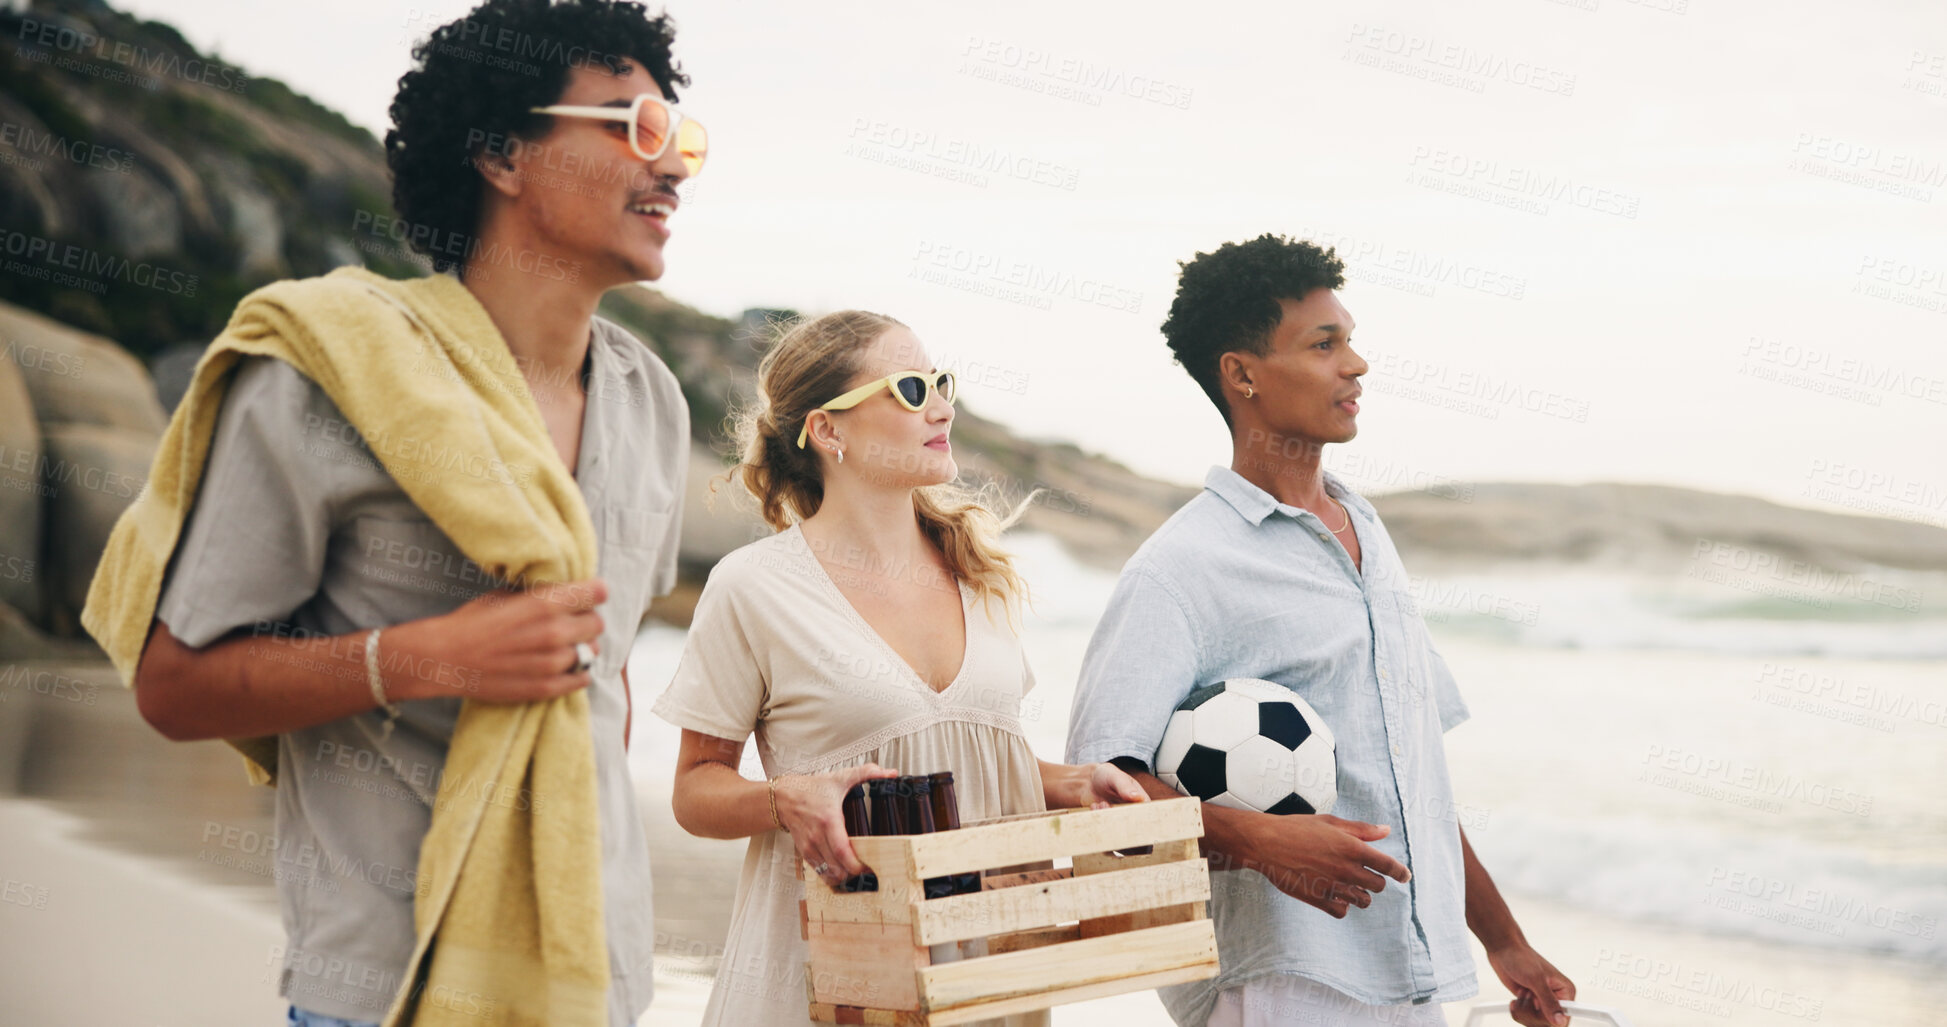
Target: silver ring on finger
822,868
584,657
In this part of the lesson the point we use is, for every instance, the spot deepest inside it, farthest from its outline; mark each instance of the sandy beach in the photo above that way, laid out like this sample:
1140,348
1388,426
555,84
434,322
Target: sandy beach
136,886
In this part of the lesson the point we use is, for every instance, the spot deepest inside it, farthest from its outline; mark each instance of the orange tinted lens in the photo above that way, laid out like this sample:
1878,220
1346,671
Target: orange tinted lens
692,144
651,129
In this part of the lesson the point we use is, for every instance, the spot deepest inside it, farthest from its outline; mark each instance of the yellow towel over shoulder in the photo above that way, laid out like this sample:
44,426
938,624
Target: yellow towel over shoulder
513,899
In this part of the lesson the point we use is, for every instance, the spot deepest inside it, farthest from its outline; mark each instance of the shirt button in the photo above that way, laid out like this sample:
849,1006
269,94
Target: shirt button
1396,749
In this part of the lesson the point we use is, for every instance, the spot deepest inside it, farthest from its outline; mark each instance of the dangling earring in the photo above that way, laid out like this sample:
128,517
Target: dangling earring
841,455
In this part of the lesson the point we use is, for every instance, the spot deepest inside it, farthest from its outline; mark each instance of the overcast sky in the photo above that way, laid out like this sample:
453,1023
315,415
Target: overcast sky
1696,242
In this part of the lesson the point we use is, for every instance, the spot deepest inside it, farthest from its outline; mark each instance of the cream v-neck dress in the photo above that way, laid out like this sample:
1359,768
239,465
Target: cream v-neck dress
775,648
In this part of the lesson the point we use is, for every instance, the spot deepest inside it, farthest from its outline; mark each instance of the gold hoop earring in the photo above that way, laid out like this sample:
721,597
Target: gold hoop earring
1250,393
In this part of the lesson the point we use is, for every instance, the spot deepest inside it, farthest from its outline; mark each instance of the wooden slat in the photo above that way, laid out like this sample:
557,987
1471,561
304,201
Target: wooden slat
1052,837
1107,862
853,964
993,881
975,915
1015,816
1038,975
1020,868
1079,993
899,887
1095,927
1161,852
1032,939
827,1012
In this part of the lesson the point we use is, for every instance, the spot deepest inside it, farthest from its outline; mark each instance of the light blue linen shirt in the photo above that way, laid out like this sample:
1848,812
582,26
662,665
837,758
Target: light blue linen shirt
1239,585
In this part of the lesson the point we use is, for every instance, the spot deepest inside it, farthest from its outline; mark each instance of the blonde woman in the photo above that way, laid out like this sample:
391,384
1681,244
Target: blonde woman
872,635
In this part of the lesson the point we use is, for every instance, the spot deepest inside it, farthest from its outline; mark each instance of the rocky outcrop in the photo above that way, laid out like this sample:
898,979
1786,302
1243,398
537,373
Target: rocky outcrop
20,497
79,424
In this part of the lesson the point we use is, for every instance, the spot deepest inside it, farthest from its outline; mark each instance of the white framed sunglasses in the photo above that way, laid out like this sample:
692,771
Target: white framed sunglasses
654,125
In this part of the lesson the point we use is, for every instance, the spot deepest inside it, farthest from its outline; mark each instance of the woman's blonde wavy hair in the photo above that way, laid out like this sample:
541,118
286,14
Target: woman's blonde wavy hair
812,360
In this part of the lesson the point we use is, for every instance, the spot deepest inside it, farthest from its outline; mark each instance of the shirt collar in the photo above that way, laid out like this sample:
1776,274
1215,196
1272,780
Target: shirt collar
1254,504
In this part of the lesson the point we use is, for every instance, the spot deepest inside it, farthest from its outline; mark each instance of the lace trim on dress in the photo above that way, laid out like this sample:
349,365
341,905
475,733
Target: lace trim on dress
849,754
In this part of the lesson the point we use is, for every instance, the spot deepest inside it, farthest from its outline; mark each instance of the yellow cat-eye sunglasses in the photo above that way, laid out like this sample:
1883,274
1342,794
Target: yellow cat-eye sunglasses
911,388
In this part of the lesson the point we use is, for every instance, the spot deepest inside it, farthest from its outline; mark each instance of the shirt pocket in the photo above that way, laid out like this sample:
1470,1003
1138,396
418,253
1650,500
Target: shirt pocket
1412,680
632,559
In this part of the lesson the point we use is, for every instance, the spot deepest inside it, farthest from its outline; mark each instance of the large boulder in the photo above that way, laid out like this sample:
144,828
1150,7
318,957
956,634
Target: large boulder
92,473
79,425
77,378
20,492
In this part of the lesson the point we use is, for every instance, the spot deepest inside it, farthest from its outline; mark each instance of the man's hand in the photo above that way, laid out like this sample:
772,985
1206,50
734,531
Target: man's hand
1538,988
519,645
1318,858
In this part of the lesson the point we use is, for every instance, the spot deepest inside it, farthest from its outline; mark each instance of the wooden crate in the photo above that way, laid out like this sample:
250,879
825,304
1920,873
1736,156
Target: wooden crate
1105,925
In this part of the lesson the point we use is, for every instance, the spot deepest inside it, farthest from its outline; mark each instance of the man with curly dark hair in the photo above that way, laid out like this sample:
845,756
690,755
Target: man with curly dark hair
1278,571
324,596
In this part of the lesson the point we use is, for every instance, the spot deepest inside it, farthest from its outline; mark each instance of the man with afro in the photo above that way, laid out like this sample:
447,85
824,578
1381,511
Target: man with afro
535,158
1278,571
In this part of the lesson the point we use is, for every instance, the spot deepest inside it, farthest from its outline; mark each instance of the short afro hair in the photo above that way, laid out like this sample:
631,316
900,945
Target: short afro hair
470,89
1227,301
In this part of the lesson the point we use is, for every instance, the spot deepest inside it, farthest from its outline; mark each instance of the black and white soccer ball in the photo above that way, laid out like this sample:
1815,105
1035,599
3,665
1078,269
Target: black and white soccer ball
1250,744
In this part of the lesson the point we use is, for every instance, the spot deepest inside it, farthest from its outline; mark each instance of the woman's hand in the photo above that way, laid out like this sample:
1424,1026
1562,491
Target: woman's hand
1094,785
1108,784
810,808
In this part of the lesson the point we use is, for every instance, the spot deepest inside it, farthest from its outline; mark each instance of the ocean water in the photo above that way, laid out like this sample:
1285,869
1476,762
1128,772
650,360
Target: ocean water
1707,803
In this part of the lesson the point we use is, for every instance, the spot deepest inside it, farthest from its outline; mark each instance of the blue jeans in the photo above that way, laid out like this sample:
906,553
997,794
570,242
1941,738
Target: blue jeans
300,1018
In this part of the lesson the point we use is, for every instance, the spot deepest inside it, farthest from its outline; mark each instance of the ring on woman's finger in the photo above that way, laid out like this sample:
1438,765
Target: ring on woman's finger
584,657
822,868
